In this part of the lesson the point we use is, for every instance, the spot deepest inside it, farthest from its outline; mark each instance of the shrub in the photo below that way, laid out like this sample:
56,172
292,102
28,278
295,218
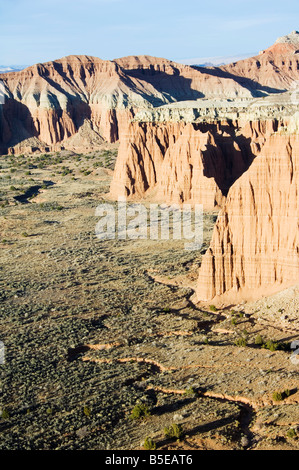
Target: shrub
277,396
271,345
190,391
173,431
140,411
87,411
292,433
259,340
5,414
149,444
213,308
241,342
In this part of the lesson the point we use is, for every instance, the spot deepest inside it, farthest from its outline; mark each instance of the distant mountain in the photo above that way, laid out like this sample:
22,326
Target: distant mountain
11,68
215,61
48,104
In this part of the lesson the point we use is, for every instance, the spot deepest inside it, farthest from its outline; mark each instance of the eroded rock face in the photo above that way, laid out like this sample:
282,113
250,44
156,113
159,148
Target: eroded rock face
50,102
250,170
275,69
186,162
47,104
255,245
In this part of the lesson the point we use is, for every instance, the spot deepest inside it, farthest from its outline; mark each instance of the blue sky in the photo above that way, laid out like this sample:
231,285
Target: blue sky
33,31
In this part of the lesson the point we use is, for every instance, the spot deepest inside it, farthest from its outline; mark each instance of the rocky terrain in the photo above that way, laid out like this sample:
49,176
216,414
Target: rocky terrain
239,156
137,344
47,104
104,347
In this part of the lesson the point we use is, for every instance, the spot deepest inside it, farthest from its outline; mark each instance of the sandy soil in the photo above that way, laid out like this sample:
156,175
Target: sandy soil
93,329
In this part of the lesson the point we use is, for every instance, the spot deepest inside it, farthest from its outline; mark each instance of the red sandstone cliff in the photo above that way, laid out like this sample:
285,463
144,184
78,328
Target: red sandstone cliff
47,104
52,101
255,245
251,169
274,69
179,162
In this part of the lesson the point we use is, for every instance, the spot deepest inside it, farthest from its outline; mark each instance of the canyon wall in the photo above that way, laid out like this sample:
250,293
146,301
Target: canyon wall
179,162
255,246
46,105
249,169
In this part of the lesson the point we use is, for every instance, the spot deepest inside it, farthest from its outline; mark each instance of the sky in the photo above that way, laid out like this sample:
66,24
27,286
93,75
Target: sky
34,31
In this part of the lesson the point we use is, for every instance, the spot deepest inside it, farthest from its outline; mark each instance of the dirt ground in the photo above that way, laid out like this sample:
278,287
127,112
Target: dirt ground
104,347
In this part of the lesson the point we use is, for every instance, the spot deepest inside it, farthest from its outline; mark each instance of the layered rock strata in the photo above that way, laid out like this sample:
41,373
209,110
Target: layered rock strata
249,169
180,162
255,246
47,104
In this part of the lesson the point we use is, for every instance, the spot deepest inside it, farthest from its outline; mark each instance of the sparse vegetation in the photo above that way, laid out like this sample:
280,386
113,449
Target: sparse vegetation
291,433
190,391
279,396
73,291
174,431
213,308
5,414
271,345
241,342
140,411
259,341
149,444
87,411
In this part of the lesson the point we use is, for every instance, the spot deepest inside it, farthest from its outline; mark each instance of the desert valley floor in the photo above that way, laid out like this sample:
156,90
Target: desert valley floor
104,346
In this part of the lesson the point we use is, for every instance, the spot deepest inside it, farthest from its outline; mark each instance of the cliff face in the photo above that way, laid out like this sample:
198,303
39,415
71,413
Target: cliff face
182,162
48,104
250,170
274,69
255,245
